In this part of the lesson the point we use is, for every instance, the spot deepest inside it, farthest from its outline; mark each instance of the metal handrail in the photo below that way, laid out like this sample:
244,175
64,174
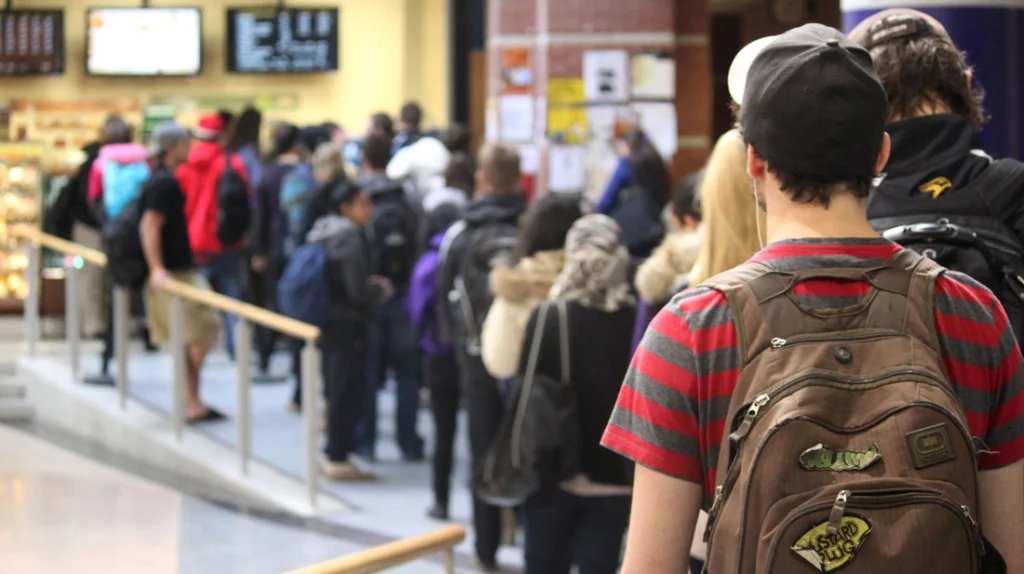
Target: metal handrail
180,291
394,554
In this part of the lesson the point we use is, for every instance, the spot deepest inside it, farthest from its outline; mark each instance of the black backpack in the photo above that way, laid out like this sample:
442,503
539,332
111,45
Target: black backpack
538,442
126,261
234,212
396,232
961,231
487,247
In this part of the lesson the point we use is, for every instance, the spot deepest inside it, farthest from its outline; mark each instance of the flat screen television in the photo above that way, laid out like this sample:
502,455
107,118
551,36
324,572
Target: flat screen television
144,42
31,42
273,40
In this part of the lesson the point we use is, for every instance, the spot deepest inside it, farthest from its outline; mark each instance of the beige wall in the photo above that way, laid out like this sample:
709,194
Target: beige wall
390,51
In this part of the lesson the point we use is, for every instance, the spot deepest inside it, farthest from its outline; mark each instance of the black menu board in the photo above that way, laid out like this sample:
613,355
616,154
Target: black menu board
272,40
31,42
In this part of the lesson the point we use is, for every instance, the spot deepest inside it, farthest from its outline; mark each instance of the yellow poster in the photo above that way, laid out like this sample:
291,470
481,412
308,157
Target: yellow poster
567,114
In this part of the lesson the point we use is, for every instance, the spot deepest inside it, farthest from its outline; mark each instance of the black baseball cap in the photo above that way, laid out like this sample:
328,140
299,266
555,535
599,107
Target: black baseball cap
813,105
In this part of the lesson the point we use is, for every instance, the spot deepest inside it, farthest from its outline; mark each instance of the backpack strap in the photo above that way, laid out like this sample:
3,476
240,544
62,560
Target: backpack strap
766,312
563,334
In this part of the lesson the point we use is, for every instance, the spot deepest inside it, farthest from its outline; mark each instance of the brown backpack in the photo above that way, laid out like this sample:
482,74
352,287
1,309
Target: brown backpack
847,447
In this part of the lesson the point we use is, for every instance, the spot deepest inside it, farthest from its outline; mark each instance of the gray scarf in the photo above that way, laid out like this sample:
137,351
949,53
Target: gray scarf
596,266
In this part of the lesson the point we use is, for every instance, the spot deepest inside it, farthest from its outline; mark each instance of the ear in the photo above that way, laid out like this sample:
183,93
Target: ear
757,167
883,154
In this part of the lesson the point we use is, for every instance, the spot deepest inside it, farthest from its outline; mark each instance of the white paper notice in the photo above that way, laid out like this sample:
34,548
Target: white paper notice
658,120
516,116
567,168
491,129
606,75
529,159
654,77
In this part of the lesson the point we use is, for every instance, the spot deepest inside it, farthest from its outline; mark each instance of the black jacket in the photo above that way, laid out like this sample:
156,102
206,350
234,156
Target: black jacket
72,203
268,224
351,262
600,349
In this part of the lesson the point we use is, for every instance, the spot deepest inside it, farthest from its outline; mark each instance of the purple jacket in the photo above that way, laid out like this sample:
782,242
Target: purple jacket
421,304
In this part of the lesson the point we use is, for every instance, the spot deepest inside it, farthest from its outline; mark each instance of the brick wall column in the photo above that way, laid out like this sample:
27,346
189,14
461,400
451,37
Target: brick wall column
558,32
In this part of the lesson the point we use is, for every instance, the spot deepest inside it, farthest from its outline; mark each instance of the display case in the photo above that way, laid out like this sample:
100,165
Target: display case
21,191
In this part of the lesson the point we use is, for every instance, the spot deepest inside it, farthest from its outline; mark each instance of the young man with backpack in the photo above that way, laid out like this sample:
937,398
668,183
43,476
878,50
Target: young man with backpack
820,400
395,230
479,242
941,194
409,120
347,255
163,232
218,208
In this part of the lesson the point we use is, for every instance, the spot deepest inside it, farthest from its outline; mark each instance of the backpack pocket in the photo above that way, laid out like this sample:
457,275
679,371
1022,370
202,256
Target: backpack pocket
872,526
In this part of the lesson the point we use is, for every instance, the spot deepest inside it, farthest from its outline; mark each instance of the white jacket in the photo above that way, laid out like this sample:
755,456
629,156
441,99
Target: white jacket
420,163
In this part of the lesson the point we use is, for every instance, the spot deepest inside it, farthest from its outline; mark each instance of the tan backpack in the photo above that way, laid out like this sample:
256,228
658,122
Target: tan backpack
848,448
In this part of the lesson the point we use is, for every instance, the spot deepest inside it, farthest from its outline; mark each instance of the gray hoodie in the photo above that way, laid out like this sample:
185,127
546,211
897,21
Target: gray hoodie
350,260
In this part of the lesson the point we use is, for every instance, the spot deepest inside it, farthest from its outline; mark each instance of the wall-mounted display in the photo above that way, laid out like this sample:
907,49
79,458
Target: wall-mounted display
270,40
144,42
31,42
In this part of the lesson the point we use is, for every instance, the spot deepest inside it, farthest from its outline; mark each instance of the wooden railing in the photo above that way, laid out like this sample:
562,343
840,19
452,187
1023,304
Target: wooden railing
248,315
394,554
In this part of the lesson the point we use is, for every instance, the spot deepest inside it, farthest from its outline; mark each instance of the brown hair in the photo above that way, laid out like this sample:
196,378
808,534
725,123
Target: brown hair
927,71
500,164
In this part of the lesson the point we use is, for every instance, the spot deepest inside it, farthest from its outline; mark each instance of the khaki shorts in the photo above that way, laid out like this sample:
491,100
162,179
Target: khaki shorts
201,322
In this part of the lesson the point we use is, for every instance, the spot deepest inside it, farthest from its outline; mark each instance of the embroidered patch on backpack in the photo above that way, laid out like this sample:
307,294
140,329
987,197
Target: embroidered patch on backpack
930,446
820,457
830,552
936,187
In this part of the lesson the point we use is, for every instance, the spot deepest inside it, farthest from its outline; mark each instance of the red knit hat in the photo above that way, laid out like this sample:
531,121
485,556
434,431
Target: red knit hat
209,128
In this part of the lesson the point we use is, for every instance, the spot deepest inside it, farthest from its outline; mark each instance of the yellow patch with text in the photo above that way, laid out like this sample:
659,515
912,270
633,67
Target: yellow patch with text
830,552
936,187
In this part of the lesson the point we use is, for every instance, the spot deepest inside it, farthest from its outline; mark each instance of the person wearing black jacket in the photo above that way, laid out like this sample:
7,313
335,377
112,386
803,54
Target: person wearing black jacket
472,247
582,520
354,291
937,169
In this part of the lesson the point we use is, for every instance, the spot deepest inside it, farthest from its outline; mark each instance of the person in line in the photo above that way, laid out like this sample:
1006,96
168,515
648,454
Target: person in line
267,239
420,165
937,169
354,291
440,370
200,178
409,120
327,166
168,250
525,282
667,271
243,138
379,123
581,522
458,184
637,192
812,163
479,241
396,233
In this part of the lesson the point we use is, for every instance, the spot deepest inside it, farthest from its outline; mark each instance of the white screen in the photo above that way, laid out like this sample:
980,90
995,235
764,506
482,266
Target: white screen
144,42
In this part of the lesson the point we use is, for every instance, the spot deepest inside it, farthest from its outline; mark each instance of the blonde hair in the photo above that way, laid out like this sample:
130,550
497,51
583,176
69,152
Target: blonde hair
328,158
500,165
730,227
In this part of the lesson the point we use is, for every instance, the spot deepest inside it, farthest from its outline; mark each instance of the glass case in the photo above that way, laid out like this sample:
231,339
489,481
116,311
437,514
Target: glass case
21,188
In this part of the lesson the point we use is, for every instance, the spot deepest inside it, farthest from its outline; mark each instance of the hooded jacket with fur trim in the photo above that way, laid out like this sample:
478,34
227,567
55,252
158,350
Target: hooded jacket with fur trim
668,267
517,292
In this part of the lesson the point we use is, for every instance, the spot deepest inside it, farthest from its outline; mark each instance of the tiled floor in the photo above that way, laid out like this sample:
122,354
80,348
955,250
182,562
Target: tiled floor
60,513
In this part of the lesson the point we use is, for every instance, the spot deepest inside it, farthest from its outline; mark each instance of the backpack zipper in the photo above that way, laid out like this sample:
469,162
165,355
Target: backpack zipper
779,342
892,498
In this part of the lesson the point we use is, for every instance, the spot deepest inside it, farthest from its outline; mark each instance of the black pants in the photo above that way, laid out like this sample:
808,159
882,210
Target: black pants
443,381
263,293
563,530
343,344
485,409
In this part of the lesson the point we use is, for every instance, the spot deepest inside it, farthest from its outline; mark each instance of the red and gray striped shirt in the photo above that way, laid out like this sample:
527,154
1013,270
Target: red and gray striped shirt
673,406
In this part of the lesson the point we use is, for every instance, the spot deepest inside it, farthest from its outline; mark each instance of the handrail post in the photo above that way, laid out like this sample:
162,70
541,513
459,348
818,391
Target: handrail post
120,327
72,333
449,561
243,352
177,343
32,301
310,418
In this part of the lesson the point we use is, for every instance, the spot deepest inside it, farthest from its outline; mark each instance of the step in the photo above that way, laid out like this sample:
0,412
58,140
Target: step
11,390
16,410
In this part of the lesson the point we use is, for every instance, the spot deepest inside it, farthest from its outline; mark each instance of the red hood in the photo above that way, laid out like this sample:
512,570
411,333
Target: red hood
203,154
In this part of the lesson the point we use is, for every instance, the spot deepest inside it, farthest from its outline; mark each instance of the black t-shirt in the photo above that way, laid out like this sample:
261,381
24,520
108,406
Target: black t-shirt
162,194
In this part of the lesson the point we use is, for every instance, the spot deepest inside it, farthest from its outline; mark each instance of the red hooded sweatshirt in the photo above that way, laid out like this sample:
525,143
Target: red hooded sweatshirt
198,178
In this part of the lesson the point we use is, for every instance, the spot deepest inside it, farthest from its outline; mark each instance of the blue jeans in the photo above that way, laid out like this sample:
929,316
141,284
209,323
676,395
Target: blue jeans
392,344
563,530
224,274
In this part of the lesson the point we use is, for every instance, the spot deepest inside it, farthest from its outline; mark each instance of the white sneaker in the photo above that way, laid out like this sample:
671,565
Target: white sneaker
343,471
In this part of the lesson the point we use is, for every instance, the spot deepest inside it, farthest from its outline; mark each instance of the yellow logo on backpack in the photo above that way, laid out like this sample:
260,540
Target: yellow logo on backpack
830,552
936,187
